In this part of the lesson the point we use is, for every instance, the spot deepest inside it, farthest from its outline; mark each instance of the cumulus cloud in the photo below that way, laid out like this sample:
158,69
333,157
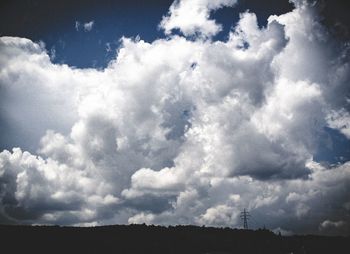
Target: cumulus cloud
334,226
180,131
328,223
193,17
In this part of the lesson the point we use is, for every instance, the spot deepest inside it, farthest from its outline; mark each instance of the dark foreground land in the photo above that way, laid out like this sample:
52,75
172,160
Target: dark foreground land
157,239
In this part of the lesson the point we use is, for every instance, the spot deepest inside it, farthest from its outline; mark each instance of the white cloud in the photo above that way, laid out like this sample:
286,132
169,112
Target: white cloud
221,215
328,223
141,218
88,26
340,120
77,25
192,16
177,130
108,47
334,227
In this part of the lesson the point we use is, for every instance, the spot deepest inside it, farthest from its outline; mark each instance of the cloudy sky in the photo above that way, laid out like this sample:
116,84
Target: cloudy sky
185,112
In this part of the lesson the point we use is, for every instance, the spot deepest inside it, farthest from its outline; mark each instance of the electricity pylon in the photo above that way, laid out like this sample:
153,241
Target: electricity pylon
245,217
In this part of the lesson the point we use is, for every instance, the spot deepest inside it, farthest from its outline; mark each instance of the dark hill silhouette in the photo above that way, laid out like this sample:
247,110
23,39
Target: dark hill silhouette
157,239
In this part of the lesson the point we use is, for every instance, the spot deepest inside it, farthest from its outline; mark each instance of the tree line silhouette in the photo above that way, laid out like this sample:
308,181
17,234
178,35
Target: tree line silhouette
158,239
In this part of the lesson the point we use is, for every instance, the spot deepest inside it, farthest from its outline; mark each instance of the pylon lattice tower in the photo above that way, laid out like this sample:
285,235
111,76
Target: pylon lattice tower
245,217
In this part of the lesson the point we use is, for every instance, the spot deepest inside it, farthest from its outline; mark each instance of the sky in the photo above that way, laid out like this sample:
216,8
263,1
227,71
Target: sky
184,112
